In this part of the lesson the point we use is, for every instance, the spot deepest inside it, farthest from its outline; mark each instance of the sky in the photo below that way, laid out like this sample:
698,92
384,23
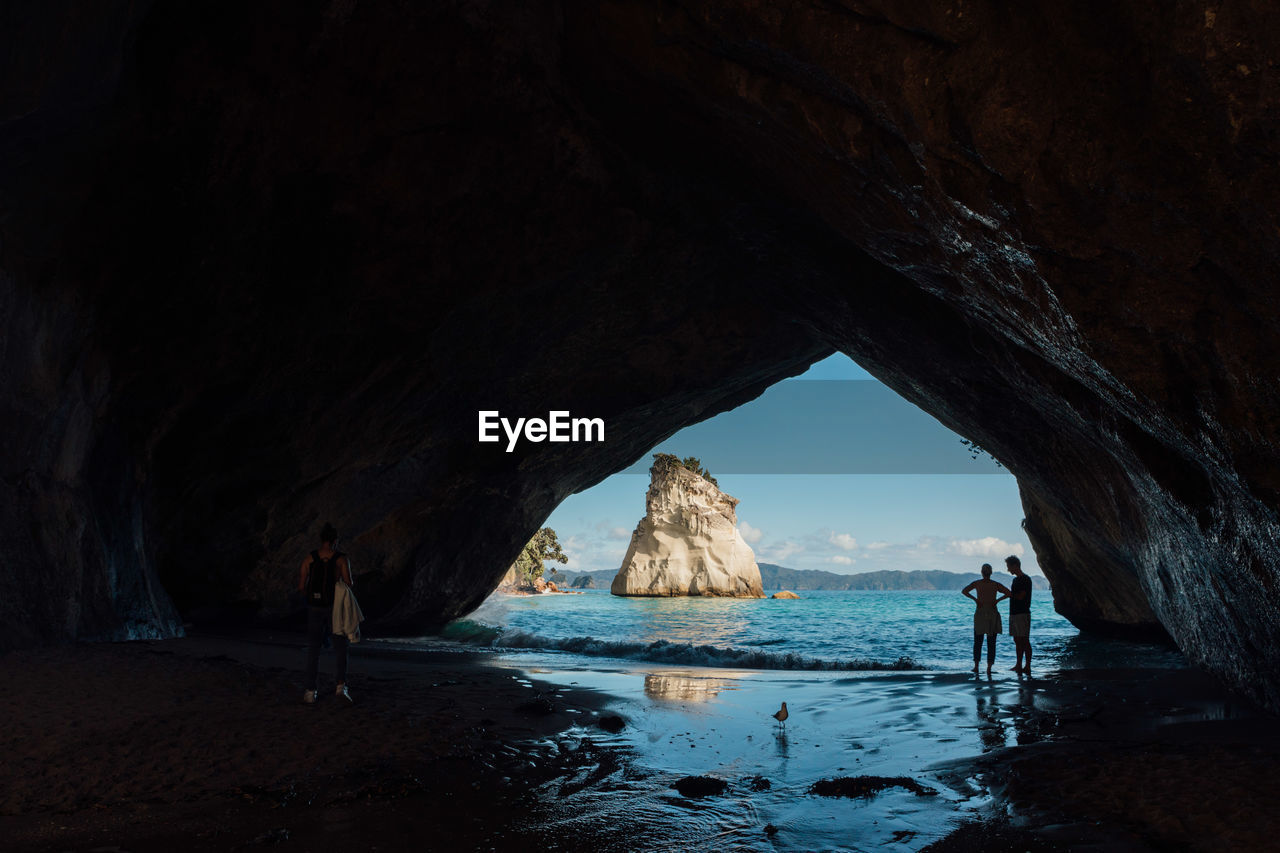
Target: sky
833,471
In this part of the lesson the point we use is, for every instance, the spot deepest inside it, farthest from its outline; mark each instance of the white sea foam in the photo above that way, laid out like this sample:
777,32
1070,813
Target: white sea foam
662,651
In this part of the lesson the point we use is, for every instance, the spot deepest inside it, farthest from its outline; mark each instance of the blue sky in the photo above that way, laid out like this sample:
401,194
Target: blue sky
833,471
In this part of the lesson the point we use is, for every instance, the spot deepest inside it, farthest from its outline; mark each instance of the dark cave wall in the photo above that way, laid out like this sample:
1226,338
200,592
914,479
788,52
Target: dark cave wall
262,265
73,526
1081,202
301,298
75,545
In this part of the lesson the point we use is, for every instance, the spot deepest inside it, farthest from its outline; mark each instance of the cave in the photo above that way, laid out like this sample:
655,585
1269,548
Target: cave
261,266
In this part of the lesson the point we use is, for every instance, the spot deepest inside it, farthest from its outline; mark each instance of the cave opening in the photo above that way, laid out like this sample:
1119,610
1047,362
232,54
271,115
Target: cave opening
869,458
846,493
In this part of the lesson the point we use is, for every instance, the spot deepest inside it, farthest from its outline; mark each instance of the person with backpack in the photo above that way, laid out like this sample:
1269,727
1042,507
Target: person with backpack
321,571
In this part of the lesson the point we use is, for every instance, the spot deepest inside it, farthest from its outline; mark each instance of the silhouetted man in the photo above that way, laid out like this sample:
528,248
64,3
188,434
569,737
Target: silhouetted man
1020,614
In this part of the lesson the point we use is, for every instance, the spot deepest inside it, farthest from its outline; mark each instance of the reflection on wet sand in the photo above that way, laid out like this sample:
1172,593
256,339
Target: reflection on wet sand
1029,722
991,728
670,686
780,744
1068,736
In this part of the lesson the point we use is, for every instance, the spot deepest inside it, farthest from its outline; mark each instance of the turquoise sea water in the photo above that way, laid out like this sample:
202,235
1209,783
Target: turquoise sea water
828,630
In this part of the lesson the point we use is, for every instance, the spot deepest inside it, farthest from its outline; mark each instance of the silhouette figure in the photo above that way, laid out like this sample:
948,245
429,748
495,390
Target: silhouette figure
318,580
985,593
1020,614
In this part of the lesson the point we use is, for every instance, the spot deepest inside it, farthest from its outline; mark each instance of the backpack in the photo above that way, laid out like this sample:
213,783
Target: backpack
322,578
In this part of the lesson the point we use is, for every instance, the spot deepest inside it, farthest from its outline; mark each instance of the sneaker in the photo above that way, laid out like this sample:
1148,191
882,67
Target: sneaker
309,697
344,693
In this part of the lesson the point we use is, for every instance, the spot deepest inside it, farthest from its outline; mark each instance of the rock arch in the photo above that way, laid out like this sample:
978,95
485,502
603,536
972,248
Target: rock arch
261,266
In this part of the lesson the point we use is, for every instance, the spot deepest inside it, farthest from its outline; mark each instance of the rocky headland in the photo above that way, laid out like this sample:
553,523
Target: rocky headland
688,542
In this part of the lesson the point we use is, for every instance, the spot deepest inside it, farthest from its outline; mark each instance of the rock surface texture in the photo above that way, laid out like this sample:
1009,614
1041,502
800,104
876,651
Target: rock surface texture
513,580
261,264
688,541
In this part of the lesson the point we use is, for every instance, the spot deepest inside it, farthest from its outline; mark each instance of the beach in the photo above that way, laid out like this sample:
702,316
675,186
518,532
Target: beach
202,743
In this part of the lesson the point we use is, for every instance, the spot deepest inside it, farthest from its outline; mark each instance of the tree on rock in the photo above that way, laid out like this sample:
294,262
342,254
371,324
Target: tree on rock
542,547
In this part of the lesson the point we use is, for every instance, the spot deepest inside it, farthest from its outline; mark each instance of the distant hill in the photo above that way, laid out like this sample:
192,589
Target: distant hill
602,577
780,577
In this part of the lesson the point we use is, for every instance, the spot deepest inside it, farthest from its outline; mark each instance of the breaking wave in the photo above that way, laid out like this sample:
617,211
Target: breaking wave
662,651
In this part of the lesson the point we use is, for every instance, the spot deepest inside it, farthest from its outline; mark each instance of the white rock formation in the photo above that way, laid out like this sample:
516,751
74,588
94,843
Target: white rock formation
688,541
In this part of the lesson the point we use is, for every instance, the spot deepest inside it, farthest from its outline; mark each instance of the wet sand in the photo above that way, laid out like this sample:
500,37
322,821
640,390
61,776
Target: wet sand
1103,760
203,744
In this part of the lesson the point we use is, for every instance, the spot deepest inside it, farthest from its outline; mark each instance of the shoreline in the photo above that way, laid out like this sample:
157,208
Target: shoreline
203,743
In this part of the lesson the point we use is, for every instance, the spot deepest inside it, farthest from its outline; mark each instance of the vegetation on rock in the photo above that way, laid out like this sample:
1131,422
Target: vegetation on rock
976,451
690,463
542,547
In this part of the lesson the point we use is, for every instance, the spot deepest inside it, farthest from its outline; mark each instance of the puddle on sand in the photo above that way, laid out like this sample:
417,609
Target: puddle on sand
926,726
703,722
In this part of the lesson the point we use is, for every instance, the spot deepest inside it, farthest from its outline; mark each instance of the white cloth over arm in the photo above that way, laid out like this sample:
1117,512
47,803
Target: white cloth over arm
346,612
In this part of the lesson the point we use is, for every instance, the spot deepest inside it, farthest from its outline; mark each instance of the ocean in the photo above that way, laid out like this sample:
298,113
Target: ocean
823,630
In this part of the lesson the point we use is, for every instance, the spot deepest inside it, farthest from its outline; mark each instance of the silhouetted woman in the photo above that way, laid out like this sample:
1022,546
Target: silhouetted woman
986,619
321,571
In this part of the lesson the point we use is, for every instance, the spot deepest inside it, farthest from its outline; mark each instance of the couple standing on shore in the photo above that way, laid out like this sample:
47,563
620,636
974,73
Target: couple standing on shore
987,593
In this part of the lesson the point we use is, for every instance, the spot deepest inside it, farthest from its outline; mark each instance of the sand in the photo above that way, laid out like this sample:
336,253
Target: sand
1137,760
203,744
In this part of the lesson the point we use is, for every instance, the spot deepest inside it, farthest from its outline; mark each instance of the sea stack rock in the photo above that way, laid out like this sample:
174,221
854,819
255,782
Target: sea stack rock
688,541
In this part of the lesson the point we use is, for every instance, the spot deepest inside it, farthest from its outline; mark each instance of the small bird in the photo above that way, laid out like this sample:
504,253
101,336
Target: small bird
781,715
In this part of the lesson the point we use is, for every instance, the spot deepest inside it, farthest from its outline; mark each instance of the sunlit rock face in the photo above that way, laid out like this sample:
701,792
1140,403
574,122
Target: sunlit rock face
261,264
688,542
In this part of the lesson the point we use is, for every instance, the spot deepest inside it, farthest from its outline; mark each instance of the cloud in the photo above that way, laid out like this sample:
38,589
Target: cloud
842,560
781,551
843,541
619,533
988,546
589,553
751,534
876,546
